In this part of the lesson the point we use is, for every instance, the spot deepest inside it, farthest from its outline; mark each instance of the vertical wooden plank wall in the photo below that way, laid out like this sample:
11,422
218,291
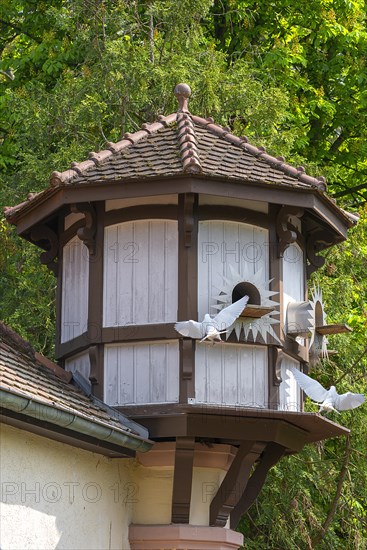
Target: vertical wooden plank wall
74,299
289,392
293,291
223,244
140,273
141,373
232,374
293,276
79,363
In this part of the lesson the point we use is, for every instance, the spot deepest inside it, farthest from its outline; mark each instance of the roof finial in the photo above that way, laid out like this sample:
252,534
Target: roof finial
182,93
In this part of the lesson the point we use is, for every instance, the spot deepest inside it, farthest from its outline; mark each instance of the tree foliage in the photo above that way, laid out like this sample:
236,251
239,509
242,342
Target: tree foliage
300,491
292,76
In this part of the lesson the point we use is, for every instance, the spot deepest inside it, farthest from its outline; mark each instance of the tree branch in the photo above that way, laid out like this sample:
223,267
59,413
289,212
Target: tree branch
20,30
329,518
351,190
364,352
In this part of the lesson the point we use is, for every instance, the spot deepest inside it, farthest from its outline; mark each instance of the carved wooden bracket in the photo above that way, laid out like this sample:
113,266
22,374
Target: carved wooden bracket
273,452
287,233
313,246
87,233
188,217
276,355
96,370
234,484
45,233
182,479
94,364
279,356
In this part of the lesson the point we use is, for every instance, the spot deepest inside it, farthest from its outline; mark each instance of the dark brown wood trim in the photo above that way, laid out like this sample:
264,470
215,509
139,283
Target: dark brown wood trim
96,377
187,263
67,234
187,285
44,234
233,427
272,454
275,357
131,333
315,242
286,232
294,349
166,420
276,270
239,428
72,347
95,290
87,233
234,483
111,217
187,379
63,435
159,331
141,212
58,297
182,479
300,197
233,213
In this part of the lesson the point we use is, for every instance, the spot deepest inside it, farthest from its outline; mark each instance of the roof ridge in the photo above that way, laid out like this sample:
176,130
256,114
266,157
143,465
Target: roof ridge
188,143
260,152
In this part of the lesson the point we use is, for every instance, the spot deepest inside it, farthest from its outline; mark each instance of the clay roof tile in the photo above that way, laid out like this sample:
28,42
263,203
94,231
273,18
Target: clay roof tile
176,144
35,377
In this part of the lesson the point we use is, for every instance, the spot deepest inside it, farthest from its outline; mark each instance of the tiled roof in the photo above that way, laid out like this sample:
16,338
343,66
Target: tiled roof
178,144
22,374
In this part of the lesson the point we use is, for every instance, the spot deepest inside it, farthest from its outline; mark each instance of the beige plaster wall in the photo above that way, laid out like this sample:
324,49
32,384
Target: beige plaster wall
205,484
54,496
155,485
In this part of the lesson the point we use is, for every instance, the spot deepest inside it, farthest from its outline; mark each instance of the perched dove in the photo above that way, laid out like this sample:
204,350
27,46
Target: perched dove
328,400
211,328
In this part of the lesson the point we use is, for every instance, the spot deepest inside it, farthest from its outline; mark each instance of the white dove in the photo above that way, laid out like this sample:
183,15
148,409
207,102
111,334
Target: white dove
327,400
212,327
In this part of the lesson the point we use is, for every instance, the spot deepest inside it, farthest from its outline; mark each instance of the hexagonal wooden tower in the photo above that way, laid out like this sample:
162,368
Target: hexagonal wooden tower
177,220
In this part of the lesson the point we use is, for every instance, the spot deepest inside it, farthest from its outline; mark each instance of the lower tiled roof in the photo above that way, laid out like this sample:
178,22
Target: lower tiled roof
22,374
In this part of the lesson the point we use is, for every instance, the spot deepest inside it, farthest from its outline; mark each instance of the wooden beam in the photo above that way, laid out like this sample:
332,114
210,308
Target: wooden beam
234,484
187,286
95,296
141,212
272,454
127,333
182,479
56,198
255,312
334,329
187,362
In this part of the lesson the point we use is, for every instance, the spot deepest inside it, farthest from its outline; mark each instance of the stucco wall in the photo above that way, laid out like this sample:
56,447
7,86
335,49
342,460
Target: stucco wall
56,496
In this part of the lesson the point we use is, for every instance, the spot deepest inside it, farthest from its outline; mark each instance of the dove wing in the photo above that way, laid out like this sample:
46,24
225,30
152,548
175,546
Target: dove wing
348,401
311,387
228,315
192,329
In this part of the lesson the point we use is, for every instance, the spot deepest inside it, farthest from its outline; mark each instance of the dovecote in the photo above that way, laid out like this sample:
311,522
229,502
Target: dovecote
177,220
